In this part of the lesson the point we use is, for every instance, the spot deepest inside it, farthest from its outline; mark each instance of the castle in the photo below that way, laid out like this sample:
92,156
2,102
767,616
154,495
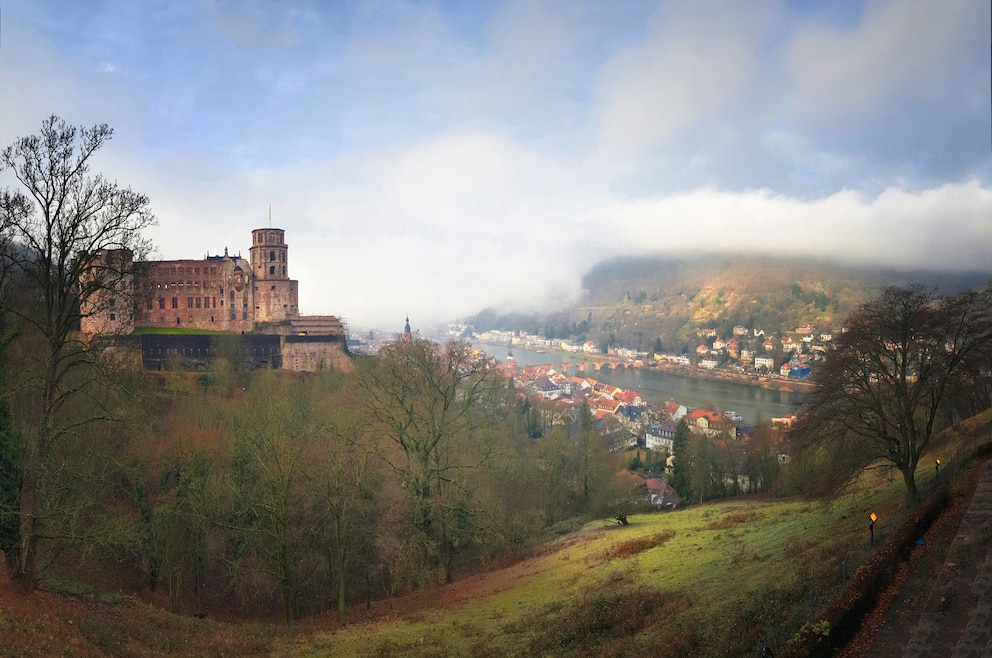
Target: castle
218,293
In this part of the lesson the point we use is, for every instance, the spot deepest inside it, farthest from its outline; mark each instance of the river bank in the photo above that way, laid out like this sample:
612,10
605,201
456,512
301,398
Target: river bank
694,387
770,383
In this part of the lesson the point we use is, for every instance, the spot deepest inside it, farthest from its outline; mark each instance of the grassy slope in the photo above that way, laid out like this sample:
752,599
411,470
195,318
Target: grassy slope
729,572
709,580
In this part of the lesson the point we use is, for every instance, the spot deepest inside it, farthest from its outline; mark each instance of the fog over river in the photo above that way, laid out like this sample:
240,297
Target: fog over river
658,386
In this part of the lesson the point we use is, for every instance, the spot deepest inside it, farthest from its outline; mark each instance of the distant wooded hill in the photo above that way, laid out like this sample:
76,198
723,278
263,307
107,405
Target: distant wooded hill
637,301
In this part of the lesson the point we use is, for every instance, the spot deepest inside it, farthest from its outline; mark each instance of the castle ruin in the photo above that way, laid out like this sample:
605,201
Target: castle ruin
218,293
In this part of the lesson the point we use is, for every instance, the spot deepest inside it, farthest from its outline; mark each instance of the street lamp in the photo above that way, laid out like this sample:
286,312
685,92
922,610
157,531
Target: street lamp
936,466
871,530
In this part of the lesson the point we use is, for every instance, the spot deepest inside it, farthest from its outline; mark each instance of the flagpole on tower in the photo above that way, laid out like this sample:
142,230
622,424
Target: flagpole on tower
270,215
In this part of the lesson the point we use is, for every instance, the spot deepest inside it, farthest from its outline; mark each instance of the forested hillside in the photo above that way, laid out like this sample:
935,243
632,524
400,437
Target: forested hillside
634,301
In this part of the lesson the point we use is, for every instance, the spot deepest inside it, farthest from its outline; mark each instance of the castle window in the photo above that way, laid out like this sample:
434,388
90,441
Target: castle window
113,302
272,269
215,302
222,291
161,302
284,270
211,318
175,302
244,316
198,302
233,316
178,321
113,316
272,255
189,302
196,270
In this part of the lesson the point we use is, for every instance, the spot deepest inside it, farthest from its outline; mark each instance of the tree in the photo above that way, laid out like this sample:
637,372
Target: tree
346,488
682,461
59,231
889,384
431,401
274,453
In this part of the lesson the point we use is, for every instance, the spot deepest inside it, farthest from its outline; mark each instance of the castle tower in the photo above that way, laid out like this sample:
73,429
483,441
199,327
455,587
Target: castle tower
276,295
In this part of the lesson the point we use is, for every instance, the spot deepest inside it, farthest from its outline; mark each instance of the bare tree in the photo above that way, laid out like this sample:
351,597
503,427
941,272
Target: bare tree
62,225
887,387
274,453
430,400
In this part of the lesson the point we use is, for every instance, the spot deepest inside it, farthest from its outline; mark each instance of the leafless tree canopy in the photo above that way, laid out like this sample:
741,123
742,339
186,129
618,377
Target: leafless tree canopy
58,229
895,378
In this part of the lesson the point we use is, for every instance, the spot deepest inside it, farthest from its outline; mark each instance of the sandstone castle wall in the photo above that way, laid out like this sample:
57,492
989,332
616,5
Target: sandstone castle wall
219,293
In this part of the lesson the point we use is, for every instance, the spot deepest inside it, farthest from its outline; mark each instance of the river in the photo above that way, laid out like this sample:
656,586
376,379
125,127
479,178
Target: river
659,386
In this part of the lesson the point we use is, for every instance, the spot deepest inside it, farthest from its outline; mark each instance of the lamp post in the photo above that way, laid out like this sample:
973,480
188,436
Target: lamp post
871,530
936,466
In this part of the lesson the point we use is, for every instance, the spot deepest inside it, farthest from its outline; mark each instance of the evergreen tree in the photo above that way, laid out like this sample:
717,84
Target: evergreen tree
680,470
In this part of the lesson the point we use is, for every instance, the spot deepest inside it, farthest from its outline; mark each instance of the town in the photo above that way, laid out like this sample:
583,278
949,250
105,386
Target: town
753,353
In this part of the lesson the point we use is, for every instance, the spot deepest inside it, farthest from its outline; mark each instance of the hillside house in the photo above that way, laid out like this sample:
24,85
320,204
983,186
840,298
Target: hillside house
710,423
546,388
765,362
661,436
676,411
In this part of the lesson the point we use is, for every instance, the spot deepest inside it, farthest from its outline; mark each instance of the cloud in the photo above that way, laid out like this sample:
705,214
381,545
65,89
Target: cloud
434,158
899,53
696,64
941,228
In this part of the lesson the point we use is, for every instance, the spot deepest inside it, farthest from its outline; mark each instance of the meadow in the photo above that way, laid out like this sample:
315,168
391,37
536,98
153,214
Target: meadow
711,580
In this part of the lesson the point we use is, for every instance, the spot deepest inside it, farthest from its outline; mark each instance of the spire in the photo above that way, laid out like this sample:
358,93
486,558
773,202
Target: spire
406,327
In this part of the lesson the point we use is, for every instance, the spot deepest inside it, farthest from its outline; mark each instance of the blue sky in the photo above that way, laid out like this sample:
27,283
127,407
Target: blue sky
435,158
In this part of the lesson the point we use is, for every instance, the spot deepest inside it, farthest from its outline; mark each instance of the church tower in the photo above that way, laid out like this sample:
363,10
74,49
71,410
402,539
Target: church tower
276,295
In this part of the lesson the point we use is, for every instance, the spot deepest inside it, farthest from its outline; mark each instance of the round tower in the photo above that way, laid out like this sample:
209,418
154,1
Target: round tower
269,254
275,294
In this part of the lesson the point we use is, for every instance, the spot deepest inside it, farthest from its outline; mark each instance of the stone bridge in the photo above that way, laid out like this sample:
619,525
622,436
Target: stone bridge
590,366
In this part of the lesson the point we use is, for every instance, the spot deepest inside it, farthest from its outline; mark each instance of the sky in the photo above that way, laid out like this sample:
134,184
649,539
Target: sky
431,158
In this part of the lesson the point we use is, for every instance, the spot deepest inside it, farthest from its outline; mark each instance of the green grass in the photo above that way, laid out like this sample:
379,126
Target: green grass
709,580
